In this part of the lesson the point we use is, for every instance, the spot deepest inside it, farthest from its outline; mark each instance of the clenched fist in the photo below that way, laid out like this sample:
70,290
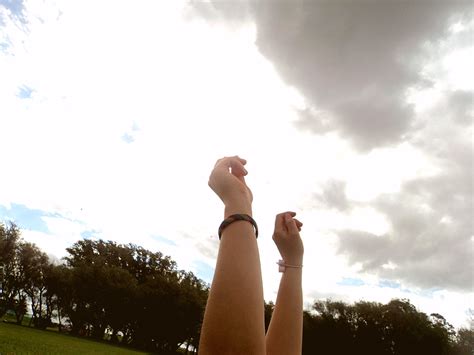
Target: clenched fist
287,238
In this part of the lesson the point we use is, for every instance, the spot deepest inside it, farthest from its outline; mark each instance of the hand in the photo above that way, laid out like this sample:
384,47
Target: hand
287,238
228,182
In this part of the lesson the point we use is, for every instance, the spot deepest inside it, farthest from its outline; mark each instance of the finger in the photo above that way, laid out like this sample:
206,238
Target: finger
235,164
243,161
237,168
298,223
289,214
219,162
227,159
291,225
280,225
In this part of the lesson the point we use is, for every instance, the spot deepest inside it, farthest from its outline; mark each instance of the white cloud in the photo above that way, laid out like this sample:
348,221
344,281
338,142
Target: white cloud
170,81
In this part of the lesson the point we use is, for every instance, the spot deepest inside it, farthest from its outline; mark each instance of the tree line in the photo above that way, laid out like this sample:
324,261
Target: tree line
131,296
383,329
134,296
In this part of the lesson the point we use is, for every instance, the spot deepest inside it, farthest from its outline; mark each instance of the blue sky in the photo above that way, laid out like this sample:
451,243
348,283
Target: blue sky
110,131
24,217
15,6
25,92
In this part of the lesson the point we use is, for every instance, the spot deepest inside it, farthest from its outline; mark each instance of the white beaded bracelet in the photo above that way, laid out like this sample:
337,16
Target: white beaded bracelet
282,266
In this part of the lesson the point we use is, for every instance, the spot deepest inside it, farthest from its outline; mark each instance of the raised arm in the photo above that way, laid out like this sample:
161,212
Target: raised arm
285,332
234,317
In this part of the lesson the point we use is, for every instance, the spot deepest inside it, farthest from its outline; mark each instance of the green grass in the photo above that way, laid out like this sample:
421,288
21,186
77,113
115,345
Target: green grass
10,317
15,339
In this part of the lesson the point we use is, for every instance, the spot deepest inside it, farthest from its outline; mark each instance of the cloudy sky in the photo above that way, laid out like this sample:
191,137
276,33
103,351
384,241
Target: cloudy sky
358,115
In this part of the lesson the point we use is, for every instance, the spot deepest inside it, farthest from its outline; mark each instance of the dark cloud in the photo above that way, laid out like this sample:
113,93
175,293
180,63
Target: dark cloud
229,12
333,195
352,60
208,247
431,248
430,242
431,217
458,106
318,121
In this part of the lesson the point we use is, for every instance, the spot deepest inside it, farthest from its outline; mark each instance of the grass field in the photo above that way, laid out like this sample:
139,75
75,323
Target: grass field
16,339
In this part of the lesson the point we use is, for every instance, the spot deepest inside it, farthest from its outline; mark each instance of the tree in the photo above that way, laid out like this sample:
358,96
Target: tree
464,342
9,240
374,328
158,308
33,268
13,295
58,290
128,289
269,307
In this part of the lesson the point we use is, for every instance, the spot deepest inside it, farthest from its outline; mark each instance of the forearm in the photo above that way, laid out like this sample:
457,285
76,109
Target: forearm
234,317
285,332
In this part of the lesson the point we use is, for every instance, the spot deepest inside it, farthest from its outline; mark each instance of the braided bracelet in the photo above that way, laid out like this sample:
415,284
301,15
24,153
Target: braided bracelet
237,217
282,266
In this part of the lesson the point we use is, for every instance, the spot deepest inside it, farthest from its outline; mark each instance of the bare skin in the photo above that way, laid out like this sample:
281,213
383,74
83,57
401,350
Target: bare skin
234,317
285,333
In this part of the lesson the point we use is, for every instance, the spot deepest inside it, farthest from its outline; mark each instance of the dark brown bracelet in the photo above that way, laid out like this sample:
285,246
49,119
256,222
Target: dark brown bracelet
237,217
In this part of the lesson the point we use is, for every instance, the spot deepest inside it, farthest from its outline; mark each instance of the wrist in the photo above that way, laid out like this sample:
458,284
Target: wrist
293,261
237,208
284,266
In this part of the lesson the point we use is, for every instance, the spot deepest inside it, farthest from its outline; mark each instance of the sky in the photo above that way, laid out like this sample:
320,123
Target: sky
357,115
